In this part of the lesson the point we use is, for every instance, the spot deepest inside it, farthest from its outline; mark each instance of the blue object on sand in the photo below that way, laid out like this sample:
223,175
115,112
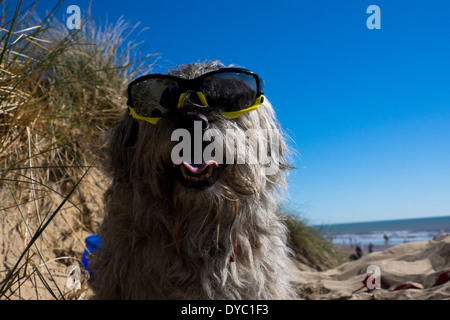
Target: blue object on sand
93,242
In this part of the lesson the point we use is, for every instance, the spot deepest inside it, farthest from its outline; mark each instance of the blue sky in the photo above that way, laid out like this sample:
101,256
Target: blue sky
368,110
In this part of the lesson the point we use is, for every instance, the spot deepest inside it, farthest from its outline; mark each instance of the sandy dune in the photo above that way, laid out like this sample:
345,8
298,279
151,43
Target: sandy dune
418,270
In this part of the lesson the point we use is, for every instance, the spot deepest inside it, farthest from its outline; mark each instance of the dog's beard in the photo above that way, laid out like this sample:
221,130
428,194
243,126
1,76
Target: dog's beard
213,196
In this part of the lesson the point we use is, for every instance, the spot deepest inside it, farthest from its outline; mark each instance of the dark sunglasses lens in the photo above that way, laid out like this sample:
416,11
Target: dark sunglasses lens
154,97
230,91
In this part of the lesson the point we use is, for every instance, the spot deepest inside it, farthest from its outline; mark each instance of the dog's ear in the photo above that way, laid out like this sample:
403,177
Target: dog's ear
122,139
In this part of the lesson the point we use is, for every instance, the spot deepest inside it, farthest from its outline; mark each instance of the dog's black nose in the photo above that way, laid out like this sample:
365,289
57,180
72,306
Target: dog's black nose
193,120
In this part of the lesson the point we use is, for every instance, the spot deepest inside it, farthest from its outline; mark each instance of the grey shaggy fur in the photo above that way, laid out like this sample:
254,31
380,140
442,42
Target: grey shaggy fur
162,240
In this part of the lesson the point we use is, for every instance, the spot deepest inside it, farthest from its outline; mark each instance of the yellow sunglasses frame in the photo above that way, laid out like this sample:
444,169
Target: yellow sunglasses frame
230,115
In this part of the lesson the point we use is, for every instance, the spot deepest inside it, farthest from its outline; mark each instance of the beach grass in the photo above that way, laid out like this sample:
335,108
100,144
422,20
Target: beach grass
310,246
60,91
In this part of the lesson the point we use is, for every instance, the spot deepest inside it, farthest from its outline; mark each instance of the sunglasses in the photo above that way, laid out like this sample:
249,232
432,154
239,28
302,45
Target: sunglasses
232,91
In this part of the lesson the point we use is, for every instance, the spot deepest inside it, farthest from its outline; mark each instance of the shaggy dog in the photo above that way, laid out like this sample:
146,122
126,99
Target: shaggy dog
185,231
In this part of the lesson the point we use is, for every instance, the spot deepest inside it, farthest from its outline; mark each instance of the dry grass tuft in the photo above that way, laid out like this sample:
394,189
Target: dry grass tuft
310,247
60,90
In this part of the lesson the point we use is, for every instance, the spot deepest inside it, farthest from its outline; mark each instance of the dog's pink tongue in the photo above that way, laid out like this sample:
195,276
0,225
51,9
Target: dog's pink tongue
198,168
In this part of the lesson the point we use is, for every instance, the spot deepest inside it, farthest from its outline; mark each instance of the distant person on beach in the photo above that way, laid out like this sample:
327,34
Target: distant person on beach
370,247
386,239
359,251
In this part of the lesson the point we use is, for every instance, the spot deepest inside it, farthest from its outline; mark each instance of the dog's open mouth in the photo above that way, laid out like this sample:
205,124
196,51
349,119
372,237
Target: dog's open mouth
197,175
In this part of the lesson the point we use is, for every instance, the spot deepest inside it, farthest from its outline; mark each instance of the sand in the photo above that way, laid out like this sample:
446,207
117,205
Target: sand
418,270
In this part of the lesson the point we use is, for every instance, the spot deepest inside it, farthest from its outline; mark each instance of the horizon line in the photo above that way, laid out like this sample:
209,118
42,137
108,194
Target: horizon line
374,221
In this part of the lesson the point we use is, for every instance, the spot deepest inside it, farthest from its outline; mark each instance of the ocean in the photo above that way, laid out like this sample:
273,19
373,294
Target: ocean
396,231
